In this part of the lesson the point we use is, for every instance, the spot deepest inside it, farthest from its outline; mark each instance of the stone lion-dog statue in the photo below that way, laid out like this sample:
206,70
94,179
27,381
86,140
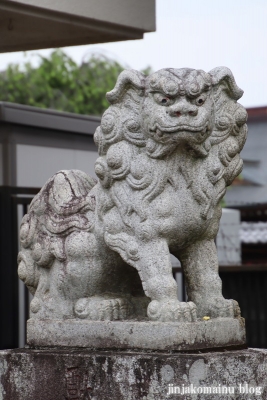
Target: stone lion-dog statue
168,147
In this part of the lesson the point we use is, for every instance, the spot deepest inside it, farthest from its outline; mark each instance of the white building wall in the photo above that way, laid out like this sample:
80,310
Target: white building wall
228,238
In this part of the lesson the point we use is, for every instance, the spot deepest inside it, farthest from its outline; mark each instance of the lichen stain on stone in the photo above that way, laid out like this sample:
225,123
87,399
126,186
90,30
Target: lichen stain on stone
167,373
20,368
3,370
138,375
125,378
197,372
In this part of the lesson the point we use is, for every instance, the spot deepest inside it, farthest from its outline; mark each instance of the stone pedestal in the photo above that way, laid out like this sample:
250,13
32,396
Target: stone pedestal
137,335
52,374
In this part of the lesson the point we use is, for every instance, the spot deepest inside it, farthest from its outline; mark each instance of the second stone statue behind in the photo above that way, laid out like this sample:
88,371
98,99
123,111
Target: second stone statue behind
168,147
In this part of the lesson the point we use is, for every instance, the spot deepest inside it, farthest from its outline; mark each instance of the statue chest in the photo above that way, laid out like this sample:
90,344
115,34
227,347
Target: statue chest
177,214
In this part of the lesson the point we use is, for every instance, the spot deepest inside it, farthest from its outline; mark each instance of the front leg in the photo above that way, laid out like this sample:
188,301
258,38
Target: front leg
152,260
203,284
155,270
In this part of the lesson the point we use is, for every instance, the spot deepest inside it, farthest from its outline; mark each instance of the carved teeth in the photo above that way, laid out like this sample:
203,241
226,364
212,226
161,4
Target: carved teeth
177,128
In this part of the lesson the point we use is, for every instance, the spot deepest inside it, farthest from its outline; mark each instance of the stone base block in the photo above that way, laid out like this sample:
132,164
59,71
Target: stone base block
28,374
219,332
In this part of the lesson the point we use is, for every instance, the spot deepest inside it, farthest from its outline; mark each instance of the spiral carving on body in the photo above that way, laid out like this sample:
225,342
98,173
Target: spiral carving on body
168,147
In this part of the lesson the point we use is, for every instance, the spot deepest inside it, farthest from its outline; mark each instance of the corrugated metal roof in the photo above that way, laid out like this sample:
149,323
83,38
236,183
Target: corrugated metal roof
245,195
250,174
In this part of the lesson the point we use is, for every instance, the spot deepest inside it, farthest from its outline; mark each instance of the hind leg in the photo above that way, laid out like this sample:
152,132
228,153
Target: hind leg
92,277
107,306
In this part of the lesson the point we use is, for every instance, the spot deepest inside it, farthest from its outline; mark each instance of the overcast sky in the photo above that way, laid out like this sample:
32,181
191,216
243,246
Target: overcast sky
196,34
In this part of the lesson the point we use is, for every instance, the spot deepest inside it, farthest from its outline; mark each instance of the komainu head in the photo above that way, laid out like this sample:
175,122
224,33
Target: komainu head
171,110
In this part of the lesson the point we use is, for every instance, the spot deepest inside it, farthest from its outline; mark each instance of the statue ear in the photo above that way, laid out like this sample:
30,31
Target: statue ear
127,79
223,76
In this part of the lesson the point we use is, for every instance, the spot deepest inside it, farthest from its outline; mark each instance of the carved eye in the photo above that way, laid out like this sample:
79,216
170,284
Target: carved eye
200,100
162,99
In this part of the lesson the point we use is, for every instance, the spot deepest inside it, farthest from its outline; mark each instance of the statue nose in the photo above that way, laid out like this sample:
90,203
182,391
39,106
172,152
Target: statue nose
183,108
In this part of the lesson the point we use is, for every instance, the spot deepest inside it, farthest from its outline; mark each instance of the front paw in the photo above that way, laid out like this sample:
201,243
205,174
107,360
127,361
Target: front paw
222,308
171,311
228,308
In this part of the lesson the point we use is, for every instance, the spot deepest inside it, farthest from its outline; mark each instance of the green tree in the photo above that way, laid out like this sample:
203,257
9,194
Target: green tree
59,83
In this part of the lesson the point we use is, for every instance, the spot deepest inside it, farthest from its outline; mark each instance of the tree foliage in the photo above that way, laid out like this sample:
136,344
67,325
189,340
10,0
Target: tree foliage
59,83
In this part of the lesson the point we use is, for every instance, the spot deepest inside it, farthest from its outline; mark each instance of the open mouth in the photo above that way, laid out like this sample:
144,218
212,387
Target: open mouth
177,128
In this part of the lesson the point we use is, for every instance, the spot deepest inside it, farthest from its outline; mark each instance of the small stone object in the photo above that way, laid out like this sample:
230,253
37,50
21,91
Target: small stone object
168,147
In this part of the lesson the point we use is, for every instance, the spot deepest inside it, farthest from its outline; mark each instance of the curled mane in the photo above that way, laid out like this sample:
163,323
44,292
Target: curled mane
126,148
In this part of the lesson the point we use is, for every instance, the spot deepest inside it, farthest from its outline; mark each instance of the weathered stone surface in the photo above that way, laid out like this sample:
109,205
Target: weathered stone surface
72,374
168,146
219,332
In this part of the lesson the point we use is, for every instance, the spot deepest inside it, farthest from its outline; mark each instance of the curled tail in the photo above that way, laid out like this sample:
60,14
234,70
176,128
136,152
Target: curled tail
62,206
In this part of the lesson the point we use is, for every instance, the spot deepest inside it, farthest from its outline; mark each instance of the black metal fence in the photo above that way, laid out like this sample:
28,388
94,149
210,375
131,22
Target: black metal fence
14,296
248,286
